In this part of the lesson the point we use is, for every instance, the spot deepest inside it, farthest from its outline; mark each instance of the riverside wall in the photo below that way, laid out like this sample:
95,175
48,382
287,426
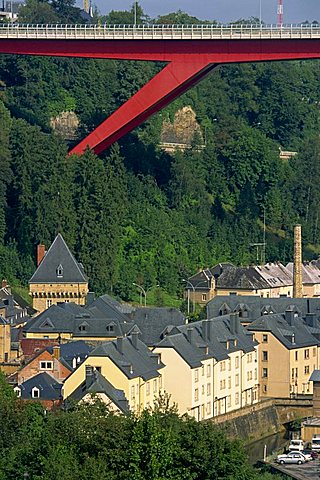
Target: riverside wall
263,419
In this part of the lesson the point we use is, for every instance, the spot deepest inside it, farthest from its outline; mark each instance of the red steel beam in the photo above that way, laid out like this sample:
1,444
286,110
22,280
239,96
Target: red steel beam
189,61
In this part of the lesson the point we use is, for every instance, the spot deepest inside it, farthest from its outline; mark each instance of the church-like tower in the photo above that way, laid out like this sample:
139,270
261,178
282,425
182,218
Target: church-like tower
58,278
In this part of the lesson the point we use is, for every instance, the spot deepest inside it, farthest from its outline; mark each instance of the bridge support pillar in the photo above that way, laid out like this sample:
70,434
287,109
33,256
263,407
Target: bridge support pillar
176,78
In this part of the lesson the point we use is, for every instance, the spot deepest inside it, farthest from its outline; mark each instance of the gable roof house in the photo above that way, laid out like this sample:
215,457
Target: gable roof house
128,365
58,278
211,367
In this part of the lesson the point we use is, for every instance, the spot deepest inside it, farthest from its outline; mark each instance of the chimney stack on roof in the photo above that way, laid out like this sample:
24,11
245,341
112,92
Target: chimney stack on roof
41,251
120,344
234,323
297,263
56,352
206,330
134,339
190,335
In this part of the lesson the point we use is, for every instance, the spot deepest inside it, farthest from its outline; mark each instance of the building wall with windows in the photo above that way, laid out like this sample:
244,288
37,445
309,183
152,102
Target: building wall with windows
44,295
44,362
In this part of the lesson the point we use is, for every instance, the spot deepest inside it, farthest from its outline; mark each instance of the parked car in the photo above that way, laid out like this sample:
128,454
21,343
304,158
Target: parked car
308,452
315,443
296,445
292,457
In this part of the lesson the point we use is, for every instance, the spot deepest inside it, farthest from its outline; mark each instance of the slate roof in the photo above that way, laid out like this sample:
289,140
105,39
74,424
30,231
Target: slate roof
315,376
97,383
77,320
153,321
256,306
77,350
217,343
255,277
310,272
202,279
59,255
295,334
133,362
49,388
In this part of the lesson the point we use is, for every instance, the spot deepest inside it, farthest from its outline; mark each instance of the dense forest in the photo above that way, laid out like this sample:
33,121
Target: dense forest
89,442
136,213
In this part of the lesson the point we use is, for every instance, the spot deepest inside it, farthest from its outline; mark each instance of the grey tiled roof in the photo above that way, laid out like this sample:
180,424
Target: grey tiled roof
59,255
294,335
49,388
153,321
97,383
133,362
219,342
257,305
77,350
266,276
315,376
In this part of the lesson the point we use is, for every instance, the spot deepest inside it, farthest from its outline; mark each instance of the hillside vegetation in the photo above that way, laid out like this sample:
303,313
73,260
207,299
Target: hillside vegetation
137,214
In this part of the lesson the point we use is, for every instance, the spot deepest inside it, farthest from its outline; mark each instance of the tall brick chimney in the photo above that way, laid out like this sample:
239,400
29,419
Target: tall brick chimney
297,263
41,251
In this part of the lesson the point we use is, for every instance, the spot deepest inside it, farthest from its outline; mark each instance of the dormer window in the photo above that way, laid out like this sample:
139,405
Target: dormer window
35,392
59,271
17,391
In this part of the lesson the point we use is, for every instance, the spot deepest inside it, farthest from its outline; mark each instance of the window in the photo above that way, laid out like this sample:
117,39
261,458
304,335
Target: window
35,392
222,366
154,386
202,389
202,370
314,352
46,365
237,398
229,364
208,388
110,328
249,358
229,401
148,388
196,395
296,356
196,375
208,370
265,338
229,382
82,328
132,393
255,374
48,303
17,391
59,271
204,297
264,356
306,354
264,373
264,388
237,380
222,384
292,373
209,408
237,362
306,369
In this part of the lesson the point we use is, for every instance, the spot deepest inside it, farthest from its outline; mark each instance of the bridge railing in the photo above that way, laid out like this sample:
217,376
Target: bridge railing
159,32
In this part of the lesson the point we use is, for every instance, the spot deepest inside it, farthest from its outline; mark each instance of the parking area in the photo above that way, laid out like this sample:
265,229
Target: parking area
307,471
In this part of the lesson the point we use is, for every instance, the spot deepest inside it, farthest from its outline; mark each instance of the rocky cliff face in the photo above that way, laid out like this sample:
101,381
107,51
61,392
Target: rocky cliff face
183,129
66,124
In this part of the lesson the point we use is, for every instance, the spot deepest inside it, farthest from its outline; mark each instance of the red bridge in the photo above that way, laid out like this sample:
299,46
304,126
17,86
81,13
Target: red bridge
191,52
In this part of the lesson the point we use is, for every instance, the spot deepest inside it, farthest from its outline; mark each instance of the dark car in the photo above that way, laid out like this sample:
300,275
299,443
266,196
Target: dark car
308,451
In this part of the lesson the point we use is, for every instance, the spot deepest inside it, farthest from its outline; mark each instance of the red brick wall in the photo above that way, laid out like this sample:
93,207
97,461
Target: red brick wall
59,371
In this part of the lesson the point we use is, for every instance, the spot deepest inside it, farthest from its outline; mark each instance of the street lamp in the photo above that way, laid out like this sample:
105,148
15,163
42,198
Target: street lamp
188,304
135,12
143,291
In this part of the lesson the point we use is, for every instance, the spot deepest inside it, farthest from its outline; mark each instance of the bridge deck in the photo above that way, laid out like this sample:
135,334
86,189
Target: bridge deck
159,32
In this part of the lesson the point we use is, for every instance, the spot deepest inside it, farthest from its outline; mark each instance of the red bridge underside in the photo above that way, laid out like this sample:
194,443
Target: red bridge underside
188,61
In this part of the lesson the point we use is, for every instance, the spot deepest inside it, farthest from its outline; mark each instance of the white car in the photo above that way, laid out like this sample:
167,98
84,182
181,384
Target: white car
292,457
296,445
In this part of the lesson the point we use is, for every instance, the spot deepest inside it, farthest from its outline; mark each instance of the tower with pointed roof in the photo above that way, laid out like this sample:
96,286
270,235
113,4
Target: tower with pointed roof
58,278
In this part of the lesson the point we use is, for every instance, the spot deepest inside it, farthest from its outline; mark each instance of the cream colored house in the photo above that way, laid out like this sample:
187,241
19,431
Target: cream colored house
58,278
211,367
128,365
289,353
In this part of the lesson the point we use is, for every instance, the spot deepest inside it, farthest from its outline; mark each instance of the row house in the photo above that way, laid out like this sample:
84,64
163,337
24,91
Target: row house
211,367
